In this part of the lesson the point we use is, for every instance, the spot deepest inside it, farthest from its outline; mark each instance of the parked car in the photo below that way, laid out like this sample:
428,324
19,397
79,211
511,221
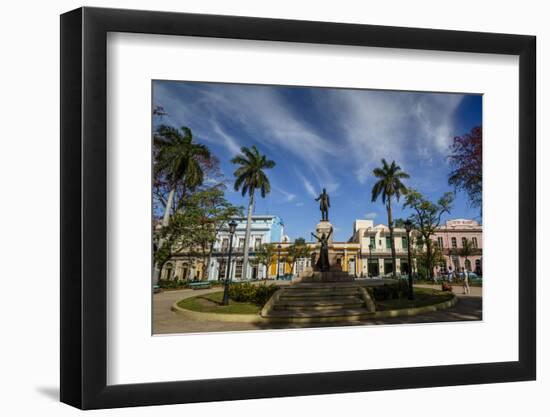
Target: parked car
472,277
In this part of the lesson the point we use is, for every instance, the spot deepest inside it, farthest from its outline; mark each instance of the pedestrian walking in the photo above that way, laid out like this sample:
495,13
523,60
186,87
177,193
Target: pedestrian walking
450,274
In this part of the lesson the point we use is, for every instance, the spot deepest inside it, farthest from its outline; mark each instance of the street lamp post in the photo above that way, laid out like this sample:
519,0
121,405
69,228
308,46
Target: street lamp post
232,227
408,228
278,259
370,261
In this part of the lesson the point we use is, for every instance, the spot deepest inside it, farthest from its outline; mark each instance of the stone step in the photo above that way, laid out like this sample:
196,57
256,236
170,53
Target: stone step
339,314
319,304
317,293
331,301
317,297
322,285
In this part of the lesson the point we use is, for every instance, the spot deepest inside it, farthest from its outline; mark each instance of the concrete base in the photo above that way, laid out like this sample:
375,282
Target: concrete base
328,276
325,227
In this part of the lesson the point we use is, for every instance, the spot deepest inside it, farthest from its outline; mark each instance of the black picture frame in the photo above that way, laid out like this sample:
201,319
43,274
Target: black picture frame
84,207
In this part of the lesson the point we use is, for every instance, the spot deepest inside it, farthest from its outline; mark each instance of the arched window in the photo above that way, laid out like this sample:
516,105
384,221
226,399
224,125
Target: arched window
169,271
185,271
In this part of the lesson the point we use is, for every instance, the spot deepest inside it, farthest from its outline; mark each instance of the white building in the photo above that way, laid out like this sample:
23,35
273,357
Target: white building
375,243
264,229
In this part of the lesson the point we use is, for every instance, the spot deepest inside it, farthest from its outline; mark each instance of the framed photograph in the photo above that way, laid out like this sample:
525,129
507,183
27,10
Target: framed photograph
257,208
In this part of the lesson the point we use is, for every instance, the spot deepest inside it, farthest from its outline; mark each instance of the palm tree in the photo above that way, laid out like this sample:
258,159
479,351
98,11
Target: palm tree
389,185
249,177
178,161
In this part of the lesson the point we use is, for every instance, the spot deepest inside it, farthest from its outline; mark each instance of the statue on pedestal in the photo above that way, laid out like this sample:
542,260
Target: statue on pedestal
323,263
324,204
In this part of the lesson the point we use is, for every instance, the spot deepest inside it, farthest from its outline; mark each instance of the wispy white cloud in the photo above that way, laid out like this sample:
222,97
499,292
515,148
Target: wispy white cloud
371,215
228,141
308,187
262,113
392,125
288,196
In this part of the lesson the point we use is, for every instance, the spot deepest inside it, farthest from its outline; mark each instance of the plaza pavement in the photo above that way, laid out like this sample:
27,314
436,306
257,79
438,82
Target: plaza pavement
165,321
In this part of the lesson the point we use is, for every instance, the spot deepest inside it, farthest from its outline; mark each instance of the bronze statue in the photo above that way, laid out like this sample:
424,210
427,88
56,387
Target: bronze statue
322,263
324,204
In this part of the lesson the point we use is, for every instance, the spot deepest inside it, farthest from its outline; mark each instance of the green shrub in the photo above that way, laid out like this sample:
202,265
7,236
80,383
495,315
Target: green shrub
171,284
247,293
390,292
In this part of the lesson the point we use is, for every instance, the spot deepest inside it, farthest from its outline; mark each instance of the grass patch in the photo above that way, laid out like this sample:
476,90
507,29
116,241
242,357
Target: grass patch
212,303
422,297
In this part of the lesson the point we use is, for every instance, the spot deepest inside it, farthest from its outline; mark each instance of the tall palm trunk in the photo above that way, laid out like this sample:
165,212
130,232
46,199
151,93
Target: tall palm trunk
165,221
247,235
392,243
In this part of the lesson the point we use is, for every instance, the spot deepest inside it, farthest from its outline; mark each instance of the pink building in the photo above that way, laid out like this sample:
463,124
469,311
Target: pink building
451,238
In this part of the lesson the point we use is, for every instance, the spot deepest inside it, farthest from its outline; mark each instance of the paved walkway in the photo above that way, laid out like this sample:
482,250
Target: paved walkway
469,307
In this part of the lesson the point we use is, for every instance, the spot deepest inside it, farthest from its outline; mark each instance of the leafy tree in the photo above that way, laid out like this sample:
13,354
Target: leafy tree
426,218
389,186
183,234
249,177
298,250
265,255
466,160
178,162
213,213
428,260
466,251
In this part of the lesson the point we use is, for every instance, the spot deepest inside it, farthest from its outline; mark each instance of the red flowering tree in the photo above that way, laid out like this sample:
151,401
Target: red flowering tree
466,162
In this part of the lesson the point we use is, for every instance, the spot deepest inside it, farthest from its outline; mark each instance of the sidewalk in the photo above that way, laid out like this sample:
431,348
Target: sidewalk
165,321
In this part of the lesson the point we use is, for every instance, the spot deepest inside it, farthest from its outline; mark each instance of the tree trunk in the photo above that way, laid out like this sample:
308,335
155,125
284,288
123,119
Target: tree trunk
392,243
429,258
165,221
209,260
247,236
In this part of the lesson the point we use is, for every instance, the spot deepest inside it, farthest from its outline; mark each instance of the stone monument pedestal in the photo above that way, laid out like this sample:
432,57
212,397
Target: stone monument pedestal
324,227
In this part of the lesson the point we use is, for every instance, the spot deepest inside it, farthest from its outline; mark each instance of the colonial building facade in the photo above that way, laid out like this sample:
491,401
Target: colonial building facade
375,252
366,254
264,229
451,238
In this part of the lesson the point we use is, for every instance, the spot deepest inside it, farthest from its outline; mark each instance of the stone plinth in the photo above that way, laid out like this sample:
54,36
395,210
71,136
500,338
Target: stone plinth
325,227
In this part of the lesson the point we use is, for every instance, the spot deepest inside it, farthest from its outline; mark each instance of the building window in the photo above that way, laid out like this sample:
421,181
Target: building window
241,243
372,242
257,243
225,244
238,269
404,242
388,243
474,242
222,269
185,271
453,242
440,242
168,273
464,240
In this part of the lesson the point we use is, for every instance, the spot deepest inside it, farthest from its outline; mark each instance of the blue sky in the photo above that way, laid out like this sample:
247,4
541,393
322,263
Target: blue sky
325,137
